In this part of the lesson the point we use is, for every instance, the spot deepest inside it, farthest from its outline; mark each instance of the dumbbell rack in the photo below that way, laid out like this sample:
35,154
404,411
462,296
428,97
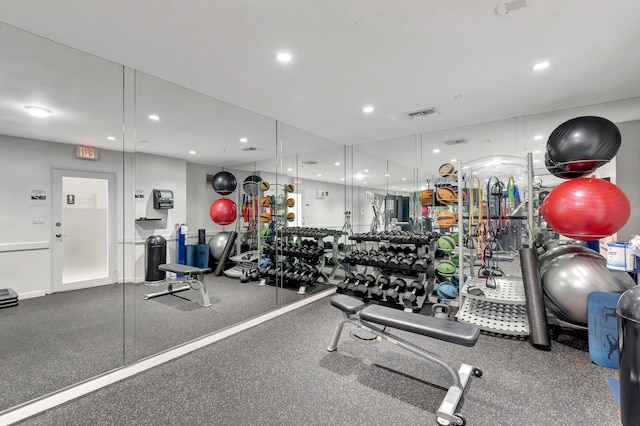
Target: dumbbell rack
319,234
317,261
501,310
420,241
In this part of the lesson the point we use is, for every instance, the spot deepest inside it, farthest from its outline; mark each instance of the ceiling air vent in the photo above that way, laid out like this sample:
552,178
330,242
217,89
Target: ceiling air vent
422,113
251,148
455,141
309,162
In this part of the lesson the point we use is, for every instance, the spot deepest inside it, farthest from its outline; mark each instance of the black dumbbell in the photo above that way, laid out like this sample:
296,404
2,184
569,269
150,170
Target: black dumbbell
393,294
377,292
416,289
363,287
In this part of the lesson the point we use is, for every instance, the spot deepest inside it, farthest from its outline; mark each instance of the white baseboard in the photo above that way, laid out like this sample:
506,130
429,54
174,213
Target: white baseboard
31,294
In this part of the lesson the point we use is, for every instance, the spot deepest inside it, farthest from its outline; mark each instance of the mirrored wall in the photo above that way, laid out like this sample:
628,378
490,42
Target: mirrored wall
62,251
122,172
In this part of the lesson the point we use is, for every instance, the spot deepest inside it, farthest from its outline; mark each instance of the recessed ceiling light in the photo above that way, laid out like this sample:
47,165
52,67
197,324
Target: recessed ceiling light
284,57
541,66
453,160
367,109
154,117
192,152
341,178
38,111
364,183
366,170
537,137
393,187
386,175
437,150
289,169
336,163
536,152
111,138
404,178
243,140
319,174
536,161
465,167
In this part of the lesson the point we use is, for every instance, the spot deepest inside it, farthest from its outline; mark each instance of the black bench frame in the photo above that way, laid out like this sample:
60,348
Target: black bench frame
446,413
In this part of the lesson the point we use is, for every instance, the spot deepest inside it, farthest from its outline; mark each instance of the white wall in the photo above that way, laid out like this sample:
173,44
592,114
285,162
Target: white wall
327,212
627,172
25,166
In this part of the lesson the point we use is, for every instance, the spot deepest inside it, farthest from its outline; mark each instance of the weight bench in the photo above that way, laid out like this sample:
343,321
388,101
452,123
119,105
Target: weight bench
357,314
192,275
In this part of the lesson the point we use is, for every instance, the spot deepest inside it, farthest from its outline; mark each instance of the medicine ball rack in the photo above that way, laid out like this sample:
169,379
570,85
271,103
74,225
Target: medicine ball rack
379,261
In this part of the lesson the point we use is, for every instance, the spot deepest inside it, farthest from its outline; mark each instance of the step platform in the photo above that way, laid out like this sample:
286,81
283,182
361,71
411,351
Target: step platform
8,298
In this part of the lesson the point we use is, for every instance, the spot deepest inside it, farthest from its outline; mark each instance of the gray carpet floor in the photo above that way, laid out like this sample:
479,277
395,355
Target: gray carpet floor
58,340
279,373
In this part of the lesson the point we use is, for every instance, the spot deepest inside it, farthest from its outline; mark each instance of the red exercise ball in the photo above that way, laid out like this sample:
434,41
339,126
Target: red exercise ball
586,209
425,210
223,211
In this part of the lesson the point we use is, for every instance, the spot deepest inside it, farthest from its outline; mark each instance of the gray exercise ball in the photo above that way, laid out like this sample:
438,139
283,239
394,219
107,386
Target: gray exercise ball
567,280
217,243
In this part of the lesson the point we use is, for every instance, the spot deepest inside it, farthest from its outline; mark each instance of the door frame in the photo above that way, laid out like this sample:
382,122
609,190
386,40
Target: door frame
57,252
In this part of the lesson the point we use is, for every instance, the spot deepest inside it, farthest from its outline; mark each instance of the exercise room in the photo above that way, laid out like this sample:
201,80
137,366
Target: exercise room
209,220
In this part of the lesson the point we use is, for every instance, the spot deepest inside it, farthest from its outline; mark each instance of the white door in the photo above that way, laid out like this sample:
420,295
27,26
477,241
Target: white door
83,229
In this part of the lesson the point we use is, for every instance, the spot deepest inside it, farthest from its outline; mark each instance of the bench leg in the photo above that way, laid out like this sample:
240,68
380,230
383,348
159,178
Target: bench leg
204,290
336,334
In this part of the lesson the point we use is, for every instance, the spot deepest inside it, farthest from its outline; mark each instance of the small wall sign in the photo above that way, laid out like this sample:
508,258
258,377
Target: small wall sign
87,153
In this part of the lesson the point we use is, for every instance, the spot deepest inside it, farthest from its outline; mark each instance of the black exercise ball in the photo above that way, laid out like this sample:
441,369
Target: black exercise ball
583,144
560,173
224,183
251,184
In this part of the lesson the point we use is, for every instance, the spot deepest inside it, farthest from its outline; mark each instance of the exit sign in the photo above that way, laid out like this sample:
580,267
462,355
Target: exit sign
87,152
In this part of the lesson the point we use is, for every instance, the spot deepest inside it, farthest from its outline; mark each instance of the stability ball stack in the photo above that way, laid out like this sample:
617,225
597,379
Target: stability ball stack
584,208
569,273
224,211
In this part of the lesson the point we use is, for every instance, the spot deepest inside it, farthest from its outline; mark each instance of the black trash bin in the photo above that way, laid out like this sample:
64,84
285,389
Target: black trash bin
155,254
628,311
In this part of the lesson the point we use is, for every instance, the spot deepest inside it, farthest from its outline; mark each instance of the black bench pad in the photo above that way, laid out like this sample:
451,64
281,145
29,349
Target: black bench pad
449,331
347,304
183,269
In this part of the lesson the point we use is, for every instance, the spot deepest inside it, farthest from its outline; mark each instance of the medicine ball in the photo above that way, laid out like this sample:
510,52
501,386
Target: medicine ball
265,201
223,211
446,219
291,217
251,184
446,195
447,170
447,291
265,232
446,243
291,202
224,183
264,185
265,217
583,144
289,187
446,267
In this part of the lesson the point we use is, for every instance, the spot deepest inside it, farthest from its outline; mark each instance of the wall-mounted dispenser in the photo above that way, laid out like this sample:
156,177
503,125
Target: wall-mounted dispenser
162,199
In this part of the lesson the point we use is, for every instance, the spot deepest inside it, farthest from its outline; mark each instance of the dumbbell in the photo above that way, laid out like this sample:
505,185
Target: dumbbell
393,294
363,288
377,292
410,300
353,286
313,275
348,279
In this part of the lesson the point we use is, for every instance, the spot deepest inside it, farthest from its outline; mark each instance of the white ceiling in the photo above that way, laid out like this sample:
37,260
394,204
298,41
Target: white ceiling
398,56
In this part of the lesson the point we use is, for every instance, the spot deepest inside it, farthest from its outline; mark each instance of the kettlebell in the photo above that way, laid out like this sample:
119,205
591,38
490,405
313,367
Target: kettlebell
440,310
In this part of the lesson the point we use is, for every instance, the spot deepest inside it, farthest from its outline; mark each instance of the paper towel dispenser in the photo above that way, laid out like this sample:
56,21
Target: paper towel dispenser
162,199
